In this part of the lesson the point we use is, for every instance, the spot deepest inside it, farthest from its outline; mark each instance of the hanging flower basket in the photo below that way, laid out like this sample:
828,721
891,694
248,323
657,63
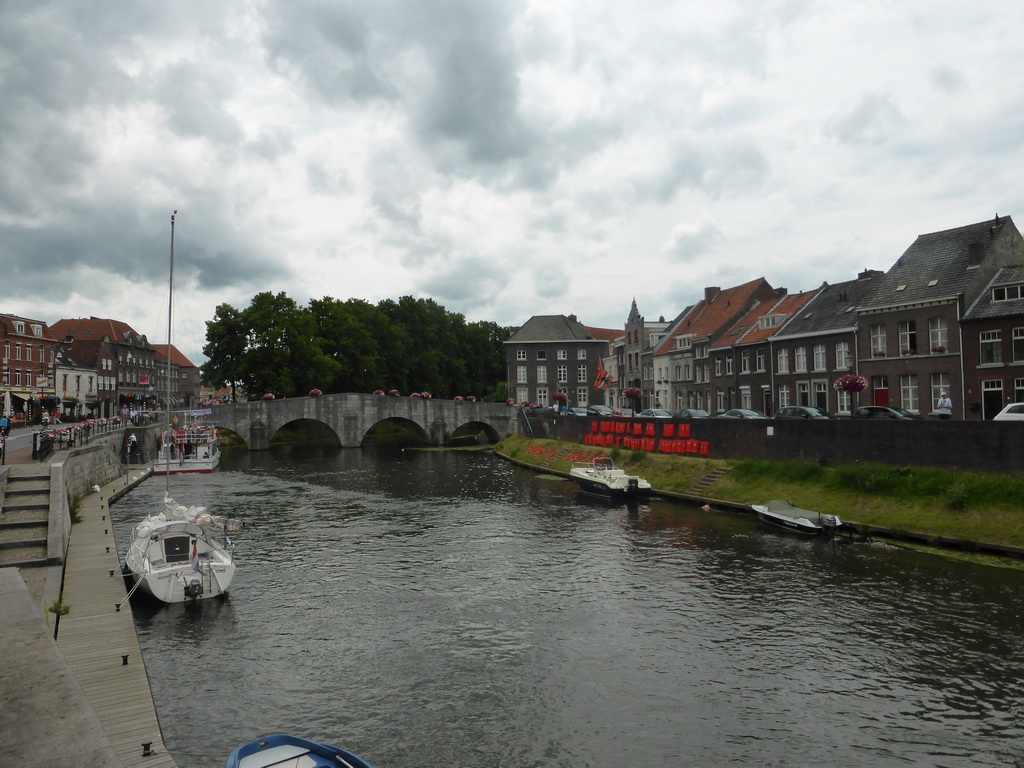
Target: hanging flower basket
851,382
267,396
632,392
559,396
315,393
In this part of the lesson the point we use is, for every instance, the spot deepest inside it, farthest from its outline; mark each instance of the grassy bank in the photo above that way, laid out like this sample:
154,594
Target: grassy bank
933,503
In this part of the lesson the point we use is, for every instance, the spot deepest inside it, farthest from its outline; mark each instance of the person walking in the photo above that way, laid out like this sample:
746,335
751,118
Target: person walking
944,407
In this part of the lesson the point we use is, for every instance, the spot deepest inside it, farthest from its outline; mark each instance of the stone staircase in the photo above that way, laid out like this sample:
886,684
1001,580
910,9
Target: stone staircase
24,517
701,487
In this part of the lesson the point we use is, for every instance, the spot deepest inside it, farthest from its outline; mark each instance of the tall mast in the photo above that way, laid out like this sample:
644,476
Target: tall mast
170,304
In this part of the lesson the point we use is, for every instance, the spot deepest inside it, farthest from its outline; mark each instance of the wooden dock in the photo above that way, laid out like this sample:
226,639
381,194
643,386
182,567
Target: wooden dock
99,641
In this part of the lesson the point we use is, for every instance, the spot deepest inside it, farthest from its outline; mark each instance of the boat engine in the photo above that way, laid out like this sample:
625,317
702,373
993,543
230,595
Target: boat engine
194,589
634,486
829,521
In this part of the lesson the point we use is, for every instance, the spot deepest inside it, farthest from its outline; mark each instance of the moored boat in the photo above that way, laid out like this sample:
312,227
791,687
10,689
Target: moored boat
601,477
191,448
292,752
786,515
174,556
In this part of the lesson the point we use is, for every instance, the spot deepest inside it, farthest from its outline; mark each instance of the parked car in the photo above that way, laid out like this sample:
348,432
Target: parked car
600,410
882,412
1012,412
742,413
691,413
624,412
654,413
577,412
802,412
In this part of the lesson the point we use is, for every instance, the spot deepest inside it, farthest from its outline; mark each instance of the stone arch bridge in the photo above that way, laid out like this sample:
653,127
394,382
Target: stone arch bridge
351,416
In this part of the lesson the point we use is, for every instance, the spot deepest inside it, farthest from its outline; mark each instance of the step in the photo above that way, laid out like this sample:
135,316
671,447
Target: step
35,558
23,518
26,505
21,489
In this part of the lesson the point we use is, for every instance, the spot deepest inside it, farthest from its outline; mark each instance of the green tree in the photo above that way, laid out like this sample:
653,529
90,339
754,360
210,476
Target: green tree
224,349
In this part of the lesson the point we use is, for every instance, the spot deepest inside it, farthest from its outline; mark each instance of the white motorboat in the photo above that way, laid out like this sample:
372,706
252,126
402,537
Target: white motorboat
601,477
190,448
181,554
784,514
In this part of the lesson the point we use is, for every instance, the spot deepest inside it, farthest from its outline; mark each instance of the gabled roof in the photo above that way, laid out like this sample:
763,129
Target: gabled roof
541,328
177,357
984,308
939,265
748,330
832,308
714,312
7,321
605,334
94,328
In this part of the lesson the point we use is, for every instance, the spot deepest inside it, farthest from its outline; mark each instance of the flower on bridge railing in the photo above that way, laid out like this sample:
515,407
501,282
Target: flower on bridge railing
268,396
394,393
510,401
458,398
851,382
315,393
378,391
471,398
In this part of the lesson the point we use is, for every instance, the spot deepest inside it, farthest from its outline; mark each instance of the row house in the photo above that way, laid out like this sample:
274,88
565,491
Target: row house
29,352
184,386
684,356
124,361
913,343
556,353
993,361
747,371
634,363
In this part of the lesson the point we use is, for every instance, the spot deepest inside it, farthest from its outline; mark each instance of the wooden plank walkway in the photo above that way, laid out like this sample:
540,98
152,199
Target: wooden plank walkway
97,640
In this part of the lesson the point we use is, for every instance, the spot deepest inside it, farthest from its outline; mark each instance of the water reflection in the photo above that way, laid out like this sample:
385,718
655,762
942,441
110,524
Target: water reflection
447,607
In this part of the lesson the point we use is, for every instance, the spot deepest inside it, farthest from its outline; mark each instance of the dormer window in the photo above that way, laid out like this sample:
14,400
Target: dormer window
37,330
1006,293
19,327
770,321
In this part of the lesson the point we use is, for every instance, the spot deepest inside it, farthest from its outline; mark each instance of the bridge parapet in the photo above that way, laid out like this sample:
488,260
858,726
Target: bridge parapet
350,416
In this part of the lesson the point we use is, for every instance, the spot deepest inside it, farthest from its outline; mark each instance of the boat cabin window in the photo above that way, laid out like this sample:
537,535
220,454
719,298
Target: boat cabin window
176,549
603,462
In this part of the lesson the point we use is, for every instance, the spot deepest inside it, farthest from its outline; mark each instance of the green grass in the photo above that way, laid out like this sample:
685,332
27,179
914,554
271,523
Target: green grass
936,503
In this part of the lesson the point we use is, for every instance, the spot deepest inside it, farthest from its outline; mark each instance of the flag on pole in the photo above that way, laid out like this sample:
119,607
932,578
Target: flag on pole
604,377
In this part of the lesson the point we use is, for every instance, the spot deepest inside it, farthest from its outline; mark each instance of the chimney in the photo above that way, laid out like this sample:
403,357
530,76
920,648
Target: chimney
868,273
710,292
572,318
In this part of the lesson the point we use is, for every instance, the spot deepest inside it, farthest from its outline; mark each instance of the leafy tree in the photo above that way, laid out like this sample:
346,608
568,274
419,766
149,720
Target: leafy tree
224,349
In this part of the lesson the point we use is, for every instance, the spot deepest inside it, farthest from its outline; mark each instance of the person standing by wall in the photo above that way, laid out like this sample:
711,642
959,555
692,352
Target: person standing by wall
944,407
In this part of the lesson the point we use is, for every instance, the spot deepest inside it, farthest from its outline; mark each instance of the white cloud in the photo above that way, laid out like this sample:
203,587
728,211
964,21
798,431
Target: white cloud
504,158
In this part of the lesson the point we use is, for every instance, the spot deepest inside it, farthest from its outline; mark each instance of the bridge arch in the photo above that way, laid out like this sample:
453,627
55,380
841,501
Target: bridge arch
350,416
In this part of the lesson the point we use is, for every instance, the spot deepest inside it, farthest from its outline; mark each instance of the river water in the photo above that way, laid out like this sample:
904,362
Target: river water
429,608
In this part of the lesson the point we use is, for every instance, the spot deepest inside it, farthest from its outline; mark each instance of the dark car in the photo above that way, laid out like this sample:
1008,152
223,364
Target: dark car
801,412
691,413
883,412
742,413
577,412
600,410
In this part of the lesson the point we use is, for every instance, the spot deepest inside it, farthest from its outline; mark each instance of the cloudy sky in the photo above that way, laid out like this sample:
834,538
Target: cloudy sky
503,157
